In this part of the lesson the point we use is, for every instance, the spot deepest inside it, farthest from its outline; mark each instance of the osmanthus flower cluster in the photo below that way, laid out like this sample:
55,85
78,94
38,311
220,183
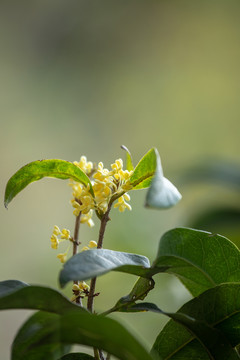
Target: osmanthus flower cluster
105,184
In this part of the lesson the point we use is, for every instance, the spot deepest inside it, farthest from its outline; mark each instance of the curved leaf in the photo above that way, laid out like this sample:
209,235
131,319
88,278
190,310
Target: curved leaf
218,307
214,343
139,292
37,170
34,297
39,339
76,328
96,262
201,260
77,356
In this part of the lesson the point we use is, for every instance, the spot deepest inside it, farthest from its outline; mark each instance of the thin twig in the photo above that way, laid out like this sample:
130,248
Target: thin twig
75,246
102,229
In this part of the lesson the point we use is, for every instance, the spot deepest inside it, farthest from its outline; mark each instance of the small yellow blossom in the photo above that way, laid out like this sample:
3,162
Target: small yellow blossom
84,165
92,244
83,285
54,241
62,257
56,230
122,204
87,218
65,234
85,248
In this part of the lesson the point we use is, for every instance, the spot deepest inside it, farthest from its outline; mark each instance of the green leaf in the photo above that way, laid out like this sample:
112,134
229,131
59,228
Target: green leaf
215,345
96,262
17,295
144,170
139,292
129,163
218,307
39,339
76,328
201,260
77,356
37,170
103,333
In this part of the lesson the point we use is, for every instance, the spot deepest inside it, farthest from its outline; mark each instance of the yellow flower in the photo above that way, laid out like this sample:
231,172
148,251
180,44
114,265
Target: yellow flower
84,165
65,234
87,218
122,204
54,241
62,257
56,230
92,244
85,248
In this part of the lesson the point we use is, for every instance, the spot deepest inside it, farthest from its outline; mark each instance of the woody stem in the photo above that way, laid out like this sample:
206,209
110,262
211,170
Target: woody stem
75,246
102,229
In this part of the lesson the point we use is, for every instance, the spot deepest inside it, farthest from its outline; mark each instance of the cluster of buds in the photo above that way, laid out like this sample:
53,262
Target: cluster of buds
106,184
79,290
60,236
64,235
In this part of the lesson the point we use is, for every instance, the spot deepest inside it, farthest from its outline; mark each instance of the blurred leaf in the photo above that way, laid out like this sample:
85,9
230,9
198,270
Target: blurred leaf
9,286
217,219
24,296
96,262
129,163
37,170
218,307
76,356
39,339
44,332
201,260
216,171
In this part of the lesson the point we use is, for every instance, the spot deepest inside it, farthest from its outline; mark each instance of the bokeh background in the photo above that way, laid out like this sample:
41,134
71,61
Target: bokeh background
84,77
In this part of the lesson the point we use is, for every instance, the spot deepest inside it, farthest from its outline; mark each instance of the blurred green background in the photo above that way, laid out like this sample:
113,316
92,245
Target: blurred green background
84,77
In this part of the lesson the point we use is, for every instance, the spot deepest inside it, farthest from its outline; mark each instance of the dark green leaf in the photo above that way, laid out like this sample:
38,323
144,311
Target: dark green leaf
139,292
218,307
24,296
39,339
37,170
76,328
77,356
201,260
92,263
103,333
129,163
215,344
